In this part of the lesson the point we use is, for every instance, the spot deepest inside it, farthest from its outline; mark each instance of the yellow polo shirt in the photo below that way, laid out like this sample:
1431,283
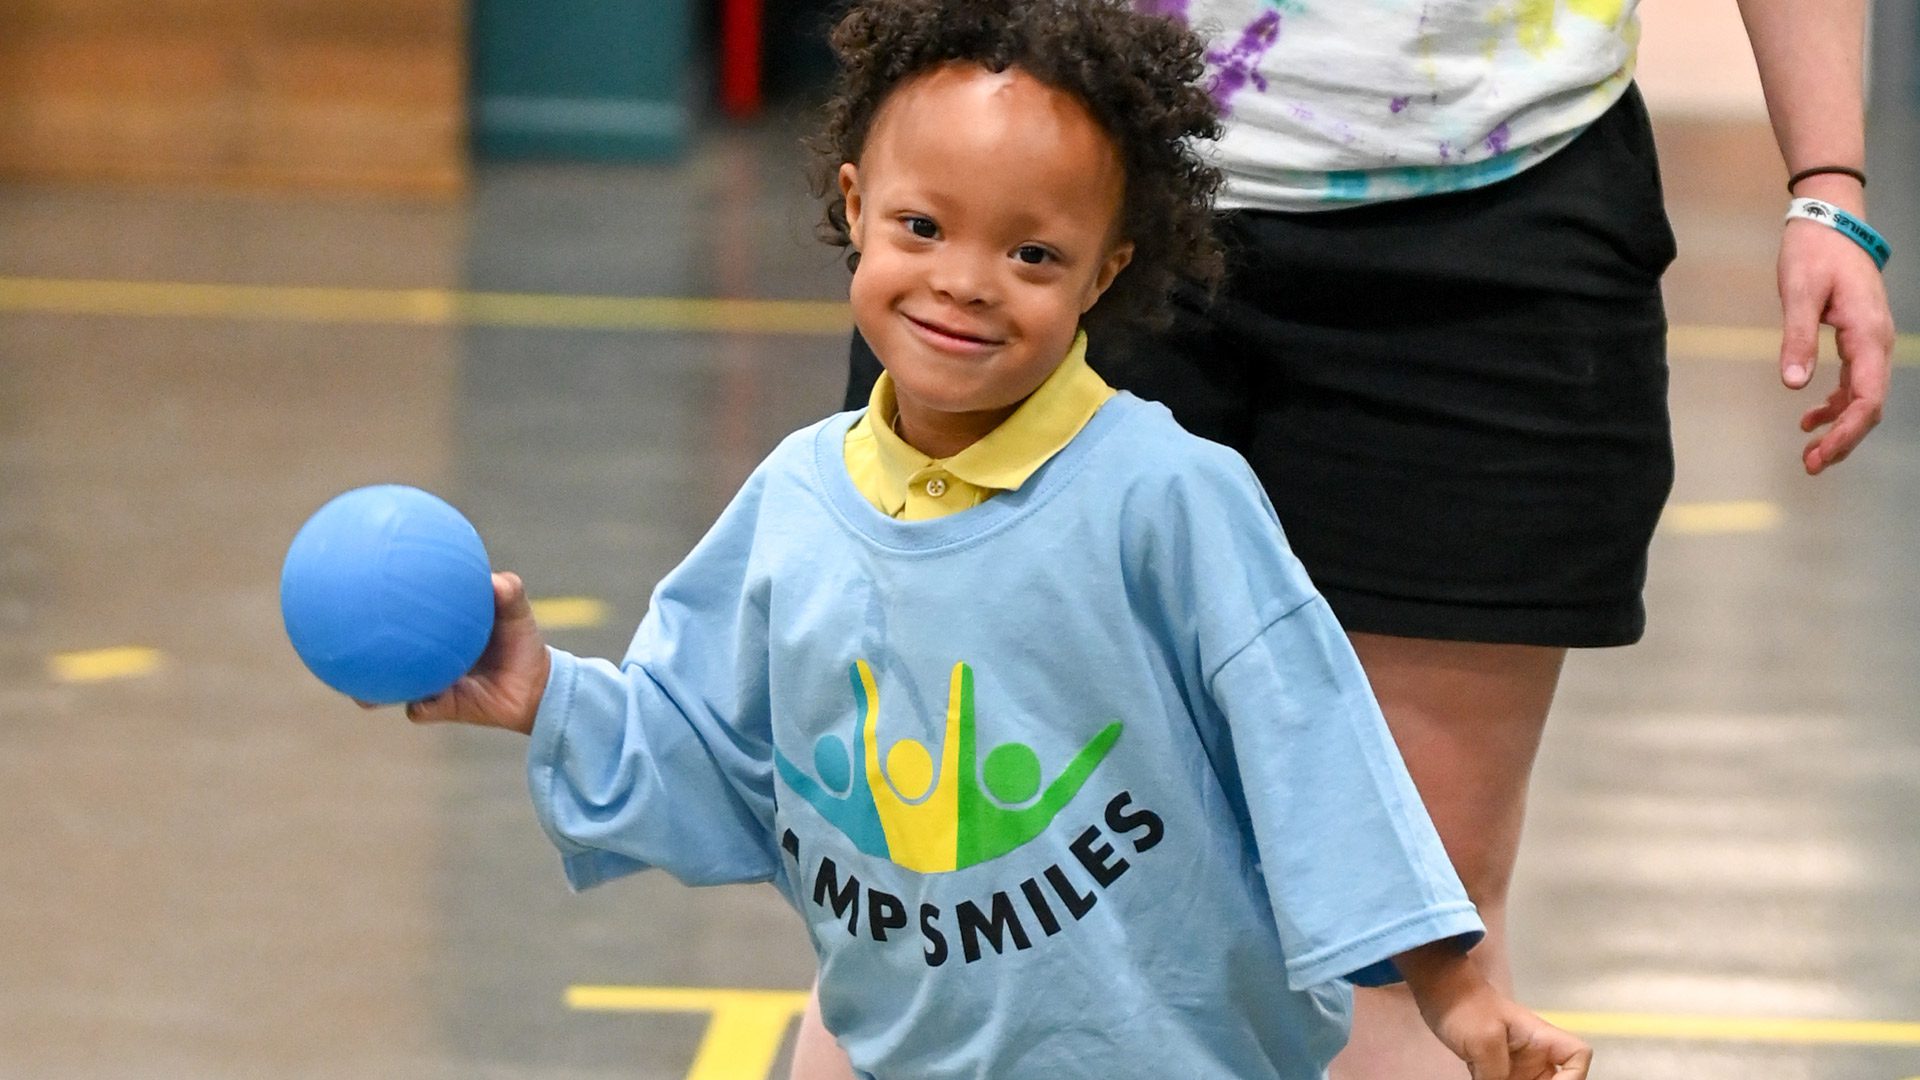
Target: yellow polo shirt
906,484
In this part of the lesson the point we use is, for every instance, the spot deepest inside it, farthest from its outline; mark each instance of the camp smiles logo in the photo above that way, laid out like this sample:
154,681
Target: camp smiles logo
961,811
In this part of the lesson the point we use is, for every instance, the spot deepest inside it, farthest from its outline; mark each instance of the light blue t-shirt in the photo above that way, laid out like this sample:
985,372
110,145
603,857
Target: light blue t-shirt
1084,782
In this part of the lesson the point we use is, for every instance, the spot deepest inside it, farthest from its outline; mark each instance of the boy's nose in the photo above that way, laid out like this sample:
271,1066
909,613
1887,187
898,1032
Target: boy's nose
966,278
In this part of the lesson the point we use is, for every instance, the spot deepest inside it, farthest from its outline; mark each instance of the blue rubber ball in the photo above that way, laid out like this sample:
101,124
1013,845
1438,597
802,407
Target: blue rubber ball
387,594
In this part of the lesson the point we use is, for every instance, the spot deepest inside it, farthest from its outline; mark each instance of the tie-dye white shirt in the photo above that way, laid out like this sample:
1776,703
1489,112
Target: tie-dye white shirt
1333,103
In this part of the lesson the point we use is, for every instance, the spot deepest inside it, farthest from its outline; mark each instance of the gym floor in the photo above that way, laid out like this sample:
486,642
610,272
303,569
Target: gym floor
214,868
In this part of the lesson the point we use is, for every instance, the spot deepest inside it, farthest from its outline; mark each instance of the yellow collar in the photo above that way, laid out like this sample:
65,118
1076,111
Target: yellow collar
893,475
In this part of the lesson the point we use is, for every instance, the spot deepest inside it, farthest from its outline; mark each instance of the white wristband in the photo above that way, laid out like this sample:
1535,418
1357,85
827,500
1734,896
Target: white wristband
1825,213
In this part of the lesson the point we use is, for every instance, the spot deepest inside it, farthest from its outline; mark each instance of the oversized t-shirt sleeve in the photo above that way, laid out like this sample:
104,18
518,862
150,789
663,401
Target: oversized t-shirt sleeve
666,758
1353,867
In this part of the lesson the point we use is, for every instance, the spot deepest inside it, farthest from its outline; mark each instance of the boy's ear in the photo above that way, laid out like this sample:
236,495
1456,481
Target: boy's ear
1116,261
850,191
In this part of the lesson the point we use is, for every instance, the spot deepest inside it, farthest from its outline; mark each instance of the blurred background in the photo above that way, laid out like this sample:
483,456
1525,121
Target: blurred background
553,259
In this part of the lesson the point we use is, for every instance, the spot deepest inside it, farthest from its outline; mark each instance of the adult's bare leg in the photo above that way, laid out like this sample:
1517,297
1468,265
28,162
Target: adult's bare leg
815,1055
1468,719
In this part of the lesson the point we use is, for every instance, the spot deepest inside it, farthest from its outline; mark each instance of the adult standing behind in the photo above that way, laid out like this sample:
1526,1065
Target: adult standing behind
1442,347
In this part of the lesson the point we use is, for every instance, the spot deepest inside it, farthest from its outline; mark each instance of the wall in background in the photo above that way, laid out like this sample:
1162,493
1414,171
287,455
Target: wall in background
601,80
367,94
1695,61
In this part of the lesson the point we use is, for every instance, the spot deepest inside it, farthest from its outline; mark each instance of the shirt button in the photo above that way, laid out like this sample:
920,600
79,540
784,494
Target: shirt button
936,487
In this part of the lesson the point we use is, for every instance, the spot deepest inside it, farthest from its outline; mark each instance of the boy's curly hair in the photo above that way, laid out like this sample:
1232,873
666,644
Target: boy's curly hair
1137,74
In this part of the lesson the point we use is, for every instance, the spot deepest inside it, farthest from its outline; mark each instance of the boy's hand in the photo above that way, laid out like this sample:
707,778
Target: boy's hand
1501,1040
505,687
1498,1039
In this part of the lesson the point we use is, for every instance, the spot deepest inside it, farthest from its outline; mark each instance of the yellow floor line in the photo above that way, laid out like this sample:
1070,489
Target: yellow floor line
425,307
1763,343
767,1006
100,665
1738,1029
677,998
743,1035
569,612
454,307
1706,518
1737,343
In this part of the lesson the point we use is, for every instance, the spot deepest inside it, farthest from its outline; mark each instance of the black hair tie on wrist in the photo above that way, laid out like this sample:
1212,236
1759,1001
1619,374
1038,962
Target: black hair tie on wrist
1844,170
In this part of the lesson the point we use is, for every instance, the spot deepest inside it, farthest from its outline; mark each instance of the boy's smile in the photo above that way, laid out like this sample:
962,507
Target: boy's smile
986,209
949,338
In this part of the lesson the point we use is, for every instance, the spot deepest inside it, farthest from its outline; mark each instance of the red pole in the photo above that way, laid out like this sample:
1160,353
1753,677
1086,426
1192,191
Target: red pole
740,57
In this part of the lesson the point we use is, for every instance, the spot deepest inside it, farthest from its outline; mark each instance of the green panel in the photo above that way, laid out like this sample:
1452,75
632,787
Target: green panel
584,79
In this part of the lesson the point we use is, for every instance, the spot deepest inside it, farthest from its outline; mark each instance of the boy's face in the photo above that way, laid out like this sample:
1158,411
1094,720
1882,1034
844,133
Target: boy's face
986,209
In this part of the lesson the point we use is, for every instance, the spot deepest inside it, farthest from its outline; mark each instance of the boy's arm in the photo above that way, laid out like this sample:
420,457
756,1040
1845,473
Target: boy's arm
1497,1038
1355,872
626,771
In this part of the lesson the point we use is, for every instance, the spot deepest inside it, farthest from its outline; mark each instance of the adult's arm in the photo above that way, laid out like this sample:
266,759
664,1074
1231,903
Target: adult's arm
1810,61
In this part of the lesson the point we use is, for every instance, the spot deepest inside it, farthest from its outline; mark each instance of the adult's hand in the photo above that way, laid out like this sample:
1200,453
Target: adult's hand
1827,278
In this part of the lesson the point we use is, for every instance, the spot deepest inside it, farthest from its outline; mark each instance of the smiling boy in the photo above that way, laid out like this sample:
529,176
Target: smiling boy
1009,684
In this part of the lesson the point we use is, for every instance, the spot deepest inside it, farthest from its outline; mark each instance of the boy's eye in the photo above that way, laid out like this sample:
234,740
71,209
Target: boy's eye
1032,254
924,228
